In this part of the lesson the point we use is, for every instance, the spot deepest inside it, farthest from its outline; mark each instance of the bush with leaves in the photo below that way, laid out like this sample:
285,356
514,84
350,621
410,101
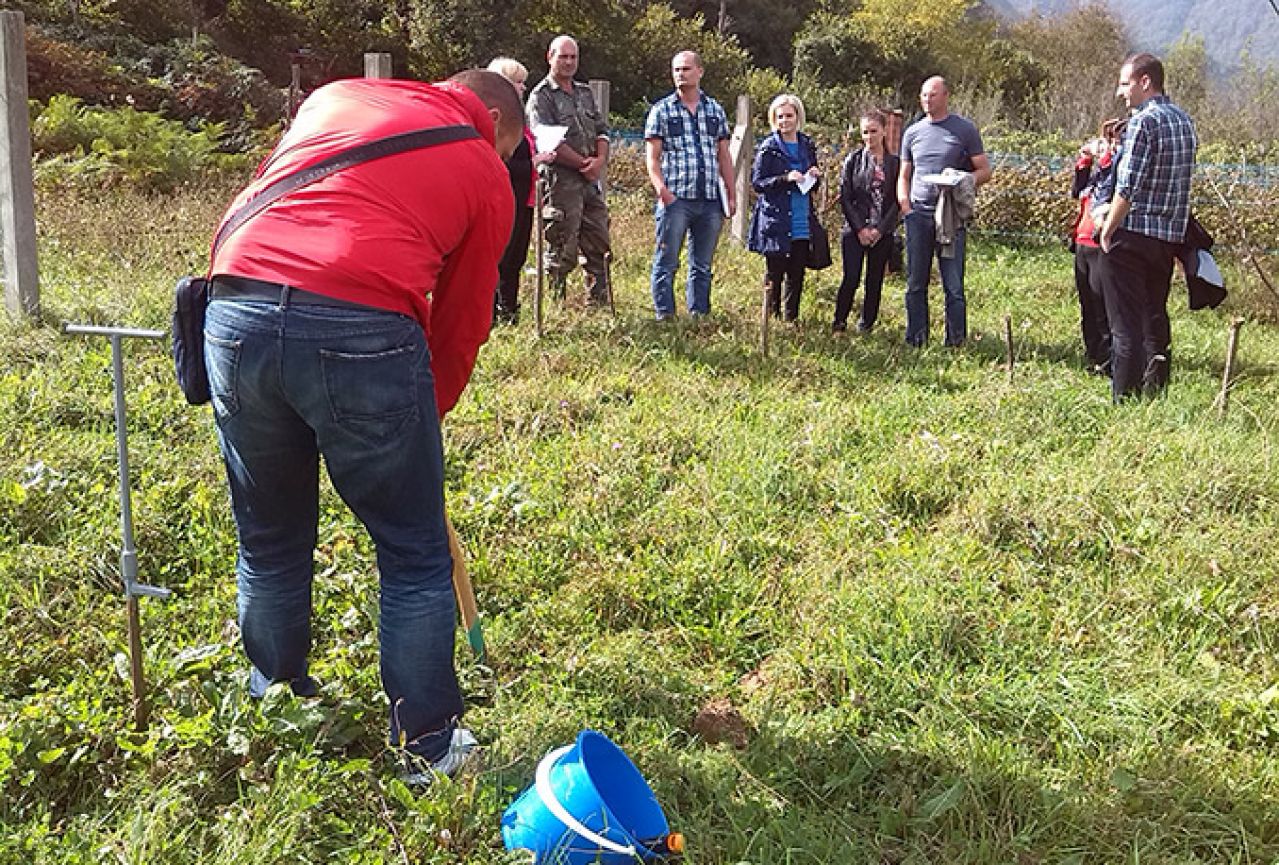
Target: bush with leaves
108,146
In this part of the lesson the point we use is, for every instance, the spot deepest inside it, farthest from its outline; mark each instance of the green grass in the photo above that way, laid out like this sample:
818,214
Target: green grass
965,620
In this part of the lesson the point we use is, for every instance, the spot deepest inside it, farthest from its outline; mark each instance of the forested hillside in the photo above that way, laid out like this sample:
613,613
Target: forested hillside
231,60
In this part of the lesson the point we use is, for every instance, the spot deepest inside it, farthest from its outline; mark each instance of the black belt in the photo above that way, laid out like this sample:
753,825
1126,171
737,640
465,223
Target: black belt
243,288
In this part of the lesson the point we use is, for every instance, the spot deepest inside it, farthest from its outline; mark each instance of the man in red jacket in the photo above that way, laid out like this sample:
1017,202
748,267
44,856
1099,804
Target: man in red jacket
344,321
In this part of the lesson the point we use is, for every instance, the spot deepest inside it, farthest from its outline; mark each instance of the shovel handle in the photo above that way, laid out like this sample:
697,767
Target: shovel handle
465,594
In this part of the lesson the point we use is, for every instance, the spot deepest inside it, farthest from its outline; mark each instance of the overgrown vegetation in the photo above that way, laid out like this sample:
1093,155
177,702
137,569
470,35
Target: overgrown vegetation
961,620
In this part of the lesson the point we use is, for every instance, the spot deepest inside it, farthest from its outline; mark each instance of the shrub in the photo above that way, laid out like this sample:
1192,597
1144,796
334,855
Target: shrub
106,146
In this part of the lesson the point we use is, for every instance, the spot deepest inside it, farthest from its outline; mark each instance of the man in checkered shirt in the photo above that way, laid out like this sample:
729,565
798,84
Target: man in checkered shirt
1146,221
686,137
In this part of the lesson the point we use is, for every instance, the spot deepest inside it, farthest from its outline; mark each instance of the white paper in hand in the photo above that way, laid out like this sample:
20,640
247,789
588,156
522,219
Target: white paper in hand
547,138
807,183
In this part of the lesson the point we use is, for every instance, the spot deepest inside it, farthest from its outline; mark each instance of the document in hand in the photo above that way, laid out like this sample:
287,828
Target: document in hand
807,183
547,138
946,179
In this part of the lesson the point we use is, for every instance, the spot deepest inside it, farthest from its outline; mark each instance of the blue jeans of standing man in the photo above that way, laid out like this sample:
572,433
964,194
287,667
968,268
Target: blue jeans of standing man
701,220
291,382
921,245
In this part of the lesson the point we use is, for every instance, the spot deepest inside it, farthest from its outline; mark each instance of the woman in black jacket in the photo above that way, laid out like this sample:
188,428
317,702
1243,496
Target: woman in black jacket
868,196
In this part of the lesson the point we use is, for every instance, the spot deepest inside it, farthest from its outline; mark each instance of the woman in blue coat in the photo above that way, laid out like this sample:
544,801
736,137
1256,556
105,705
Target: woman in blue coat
784,175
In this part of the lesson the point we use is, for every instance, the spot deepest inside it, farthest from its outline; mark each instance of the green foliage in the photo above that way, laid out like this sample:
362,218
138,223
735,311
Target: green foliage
102,147
59,66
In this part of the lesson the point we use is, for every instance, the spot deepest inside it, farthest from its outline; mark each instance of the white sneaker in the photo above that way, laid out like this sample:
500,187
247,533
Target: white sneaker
463,746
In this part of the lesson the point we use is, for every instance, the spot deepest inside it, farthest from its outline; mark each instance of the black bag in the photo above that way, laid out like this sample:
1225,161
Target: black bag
190,300
896,255
818,246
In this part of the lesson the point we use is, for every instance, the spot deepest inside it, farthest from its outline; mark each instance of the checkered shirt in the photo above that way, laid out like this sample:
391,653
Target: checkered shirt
690,158
1154,171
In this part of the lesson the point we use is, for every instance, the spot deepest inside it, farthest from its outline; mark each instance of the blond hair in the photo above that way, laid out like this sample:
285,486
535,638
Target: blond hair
509,68
786,99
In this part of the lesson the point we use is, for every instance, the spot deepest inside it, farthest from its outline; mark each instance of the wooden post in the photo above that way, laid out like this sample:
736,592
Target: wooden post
295,88
1008,341
600,92
763,319
1232,346
539,248
377,65
742,150
17,189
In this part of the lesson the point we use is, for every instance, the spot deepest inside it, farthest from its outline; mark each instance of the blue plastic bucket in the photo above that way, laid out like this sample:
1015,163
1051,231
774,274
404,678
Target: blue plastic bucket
587,804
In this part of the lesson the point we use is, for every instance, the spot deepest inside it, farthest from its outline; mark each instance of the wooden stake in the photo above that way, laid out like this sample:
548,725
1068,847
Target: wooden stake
763,321
1232,346
1008,342
540,229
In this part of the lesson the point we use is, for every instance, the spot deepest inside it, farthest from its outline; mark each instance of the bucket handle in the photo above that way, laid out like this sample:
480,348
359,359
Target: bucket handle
542,783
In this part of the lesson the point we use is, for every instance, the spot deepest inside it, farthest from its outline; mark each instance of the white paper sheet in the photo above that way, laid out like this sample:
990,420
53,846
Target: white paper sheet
547,138
806,184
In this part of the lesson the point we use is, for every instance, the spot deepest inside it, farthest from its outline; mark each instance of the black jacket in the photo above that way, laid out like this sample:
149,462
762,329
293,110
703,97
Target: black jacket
854,192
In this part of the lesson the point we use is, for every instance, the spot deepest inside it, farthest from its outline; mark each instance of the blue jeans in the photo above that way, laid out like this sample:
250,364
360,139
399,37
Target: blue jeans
291,383
921,244
701,221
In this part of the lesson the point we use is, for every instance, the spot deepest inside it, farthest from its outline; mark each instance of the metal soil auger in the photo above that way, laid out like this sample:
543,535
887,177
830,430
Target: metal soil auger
128,555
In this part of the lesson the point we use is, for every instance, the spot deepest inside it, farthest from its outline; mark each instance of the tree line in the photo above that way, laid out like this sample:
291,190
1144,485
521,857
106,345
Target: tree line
228,60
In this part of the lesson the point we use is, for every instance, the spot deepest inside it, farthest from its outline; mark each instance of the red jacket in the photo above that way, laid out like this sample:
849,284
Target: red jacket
418,233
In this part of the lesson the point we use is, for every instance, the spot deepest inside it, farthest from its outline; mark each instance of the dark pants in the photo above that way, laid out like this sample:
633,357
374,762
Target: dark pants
1136,274
1092,305
291,383
506,301
876,261
921,247
785,280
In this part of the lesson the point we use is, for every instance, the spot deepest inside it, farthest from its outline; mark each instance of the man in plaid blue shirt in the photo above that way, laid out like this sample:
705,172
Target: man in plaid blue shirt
1146,221
686,137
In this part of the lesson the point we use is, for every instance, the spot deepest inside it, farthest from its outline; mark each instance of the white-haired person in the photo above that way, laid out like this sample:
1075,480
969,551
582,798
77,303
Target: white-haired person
506,300
783,221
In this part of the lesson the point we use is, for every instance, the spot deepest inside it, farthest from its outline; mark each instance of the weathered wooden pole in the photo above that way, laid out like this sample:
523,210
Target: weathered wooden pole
742,150
377,65
1227,375
539,248
600,90
763,319
1008,342
17,190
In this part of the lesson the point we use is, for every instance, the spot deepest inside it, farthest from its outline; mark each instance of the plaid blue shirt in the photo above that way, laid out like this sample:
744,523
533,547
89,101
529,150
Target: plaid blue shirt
1154,171
690,141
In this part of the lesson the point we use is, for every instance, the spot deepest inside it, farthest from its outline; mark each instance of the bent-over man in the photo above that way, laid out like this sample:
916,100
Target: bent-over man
344,322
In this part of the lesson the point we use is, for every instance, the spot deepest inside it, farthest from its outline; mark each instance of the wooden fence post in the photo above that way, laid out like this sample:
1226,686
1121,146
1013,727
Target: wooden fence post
742,150
600,91
377,65
17,190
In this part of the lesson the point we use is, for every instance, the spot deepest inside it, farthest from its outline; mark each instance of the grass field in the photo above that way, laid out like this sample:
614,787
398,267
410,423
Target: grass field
959,619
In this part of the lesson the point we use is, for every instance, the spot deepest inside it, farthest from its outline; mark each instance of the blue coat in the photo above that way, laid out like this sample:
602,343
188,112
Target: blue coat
770,220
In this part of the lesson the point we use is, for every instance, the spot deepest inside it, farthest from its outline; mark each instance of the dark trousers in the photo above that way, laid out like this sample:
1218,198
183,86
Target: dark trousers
875,259
506,301
1092,305
1136,274
785,280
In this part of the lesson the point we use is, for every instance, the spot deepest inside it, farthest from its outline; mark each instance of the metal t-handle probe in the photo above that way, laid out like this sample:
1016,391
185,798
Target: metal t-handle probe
128,553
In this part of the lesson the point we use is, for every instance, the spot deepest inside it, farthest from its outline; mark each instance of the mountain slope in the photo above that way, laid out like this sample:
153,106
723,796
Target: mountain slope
1228,27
